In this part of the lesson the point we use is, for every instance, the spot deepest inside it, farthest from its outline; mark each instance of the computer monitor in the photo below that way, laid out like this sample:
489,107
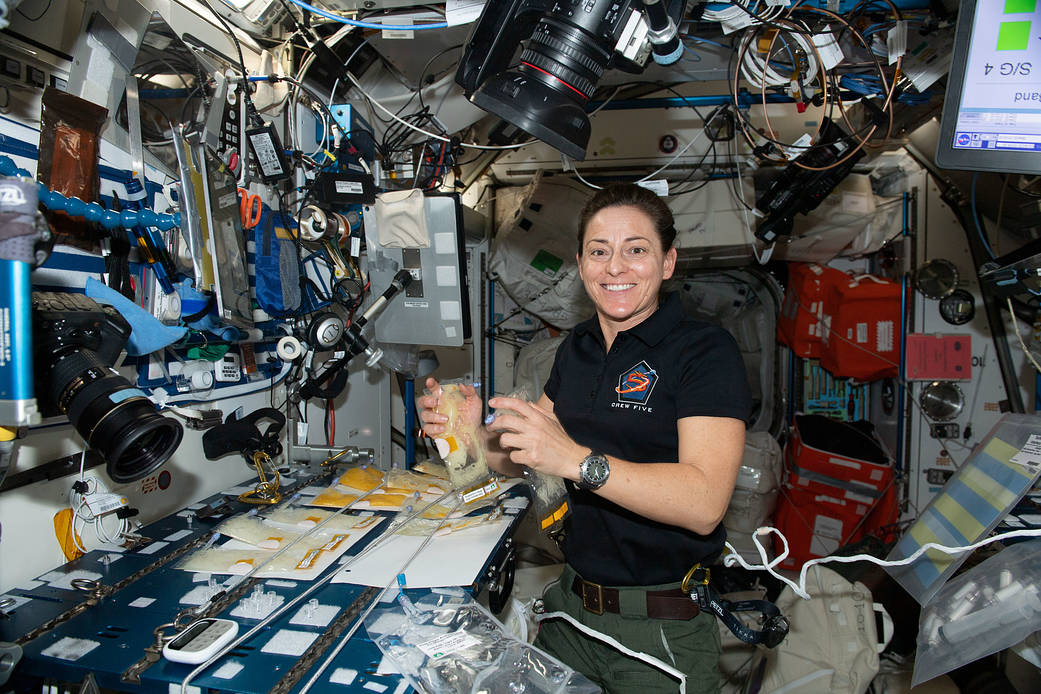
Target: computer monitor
992,111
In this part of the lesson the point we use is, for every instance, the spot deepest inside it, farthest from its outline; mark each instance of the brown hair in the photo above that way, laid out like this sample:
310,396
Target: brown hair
630,195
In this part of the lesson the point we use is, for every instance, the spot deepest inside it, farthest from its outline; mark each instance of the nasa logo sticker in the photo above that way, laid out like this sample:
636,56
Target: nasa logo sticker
11,196
636,385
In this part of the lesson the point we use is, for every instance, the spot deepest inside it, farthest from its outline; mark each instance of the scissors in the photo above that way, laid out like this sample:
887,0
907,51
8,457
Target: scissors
250,207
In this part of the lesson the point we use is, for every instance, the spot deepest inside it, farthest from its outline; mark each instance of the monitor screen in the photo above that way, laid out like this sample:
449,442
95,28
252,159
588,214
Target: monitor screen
992,110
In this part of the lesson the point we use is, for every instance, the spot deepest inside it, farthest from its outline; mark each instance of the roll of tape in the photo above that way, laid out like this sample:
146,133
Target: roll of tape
202,380
288,348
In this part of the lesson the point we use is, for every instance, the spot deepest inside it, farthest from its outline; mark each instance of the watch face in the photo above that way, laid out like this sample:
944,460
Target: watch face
595,470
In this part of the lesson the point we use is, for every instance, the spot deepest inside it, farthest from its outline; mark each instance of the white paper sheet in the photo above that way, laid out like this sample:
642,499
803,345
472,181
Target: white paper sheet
451,560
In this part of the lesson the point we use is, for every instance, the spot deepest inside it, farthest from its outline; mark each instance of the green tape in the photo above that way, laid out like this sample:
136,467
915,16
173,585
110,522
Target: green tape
1013,36
546,263
1020,6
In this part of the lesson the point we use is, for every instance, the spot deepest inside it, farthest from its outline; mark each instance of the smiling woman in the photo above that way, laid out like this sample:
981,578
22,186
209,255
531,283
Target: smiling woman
622,262
644,415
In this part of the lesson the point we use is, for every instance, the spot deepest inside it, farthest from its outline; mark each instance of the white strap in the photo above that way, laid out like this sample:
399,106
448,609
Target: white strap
795,684
613,643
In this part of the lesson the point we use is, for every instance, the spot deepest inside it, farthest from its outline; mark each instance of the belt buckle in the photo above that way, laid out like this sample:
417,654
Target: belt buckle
593,600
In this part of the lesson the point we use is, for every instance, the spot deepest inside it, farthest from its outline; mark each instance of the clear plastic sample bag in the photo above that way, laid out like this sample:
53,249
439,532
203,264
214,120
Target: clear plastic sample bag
991,607
447,643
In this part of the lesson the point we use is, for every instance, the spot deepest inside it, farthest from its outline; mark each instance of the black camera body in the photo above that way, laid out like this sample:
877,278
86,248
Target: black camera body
569,45
76,342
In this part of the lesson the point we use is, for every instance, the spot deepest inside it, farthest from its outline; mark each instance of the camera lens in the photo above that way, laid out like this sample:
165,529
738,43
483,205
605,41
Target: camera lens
112,415
545,94
561,56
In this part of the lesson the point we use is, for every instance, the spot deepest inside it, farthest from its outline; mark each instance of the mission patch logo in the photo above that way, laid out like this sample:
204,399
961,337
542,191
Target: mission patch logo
636,384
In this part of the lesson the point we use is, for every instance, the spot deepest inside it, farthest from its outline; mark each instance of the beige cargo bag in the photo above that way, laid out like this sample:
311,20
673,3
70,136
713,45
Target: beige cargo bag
833,644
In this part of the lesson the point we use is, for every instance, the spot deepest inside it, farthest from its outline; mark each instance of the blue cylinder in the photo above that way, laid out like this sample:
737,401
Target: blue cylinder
17,404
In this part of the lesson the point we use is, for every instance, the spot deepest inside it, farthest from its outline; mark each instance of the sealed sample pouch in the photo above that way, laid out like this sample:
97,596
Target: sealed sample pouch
990,607
70,137
460,445
548,491
446,643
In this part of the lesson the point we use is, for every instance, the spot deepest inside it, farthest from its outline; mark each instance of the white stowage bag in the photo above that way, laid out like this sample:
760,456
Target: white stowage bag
833,644
534,252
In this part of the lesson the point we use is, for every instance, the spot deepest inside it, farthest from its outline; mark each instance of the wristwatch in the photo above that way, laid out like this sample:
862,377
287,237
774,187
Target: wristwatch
593,471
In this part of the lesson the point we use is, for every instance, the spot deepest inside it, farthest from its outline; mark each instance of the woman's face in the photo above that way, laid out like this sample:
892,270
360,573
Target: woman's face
622,265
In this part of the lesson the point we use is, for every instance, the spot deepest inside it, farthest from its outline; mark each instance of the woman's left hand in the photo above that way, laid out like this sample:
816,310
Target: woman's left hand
534,437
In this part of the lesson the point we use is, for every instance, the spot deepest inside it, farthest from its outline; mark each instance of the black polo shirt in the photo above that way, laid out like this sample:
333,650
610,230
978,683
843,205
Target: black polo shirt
626,403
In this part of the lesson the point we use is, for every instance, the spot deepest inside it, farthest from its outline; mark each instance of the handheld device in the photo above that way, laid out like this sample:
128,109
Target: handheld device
228,369
200,641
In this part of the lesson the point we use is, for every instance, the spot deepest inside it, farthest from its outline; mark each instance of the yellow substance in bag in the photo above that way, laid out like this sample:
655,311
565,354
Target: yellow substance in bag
406,482
334,499
256,532
429,467
362,478
460,445
386,499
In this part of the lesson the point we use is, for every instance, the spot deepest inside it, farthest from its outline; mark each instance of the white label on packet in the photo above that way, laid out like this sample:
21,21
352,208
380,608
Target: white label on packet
828,49
1030,454
447,644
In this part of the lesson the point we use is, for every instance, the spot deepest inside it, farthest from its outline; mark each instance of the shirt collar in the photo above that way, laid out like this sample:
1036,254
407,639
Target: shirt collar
651,331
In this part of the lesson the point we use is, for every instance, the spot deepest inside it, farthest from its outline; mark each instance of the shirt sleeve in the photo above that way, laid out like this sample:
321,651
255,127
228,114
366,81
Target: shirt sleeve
553,382
713,381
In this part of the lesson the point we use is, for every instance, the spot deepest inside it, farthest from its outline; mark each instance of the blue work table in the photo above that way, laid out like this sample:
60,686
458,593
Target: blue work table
140,590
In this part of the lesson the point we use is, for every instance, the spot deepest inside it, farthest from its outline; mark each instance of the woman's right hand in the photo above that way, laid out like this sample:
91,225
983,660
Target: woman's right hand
434,423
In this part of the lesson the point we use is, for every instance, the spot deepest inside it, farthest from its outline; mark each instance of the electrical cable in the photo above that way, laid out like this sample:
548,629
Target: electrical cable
383,108
366,25
1015,327
251,111
579,175
976,216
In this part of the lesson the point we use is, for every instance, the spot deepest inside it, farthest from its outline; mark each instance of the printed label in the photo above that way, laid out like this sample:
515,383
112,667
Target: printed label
1030,454
267,156
826,535
441,646
349,187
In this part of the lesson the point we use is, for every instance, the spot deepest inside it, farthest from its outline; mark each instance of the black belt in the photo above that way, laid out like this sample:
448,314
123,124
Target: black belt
661,604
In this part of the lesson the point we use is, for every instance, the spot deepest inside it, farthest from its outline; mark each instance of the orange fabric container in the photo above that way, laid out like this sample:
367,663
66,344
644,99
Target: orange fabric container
817,524
861,333
799,325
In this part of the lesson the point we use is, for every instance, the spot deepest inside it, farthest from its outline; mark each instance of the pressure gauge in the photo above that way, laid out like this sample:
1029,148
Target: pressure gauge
937,278
958,307
941,401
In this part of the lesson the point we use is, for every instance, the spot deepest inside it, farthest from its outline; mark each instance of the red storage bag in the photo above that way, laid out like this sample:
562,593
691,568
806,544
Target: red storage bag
816,525
861,334
844,455
799,325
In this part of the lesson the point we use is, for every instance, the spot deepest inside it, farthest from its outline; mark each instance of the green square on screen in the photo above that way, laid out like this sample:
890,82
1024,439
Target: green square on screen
1020,6
1013,36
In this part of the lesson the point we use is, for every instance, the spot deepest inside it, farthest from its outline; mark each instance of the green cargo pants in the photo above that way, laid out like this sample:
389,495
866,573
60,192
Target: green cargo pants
691,646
